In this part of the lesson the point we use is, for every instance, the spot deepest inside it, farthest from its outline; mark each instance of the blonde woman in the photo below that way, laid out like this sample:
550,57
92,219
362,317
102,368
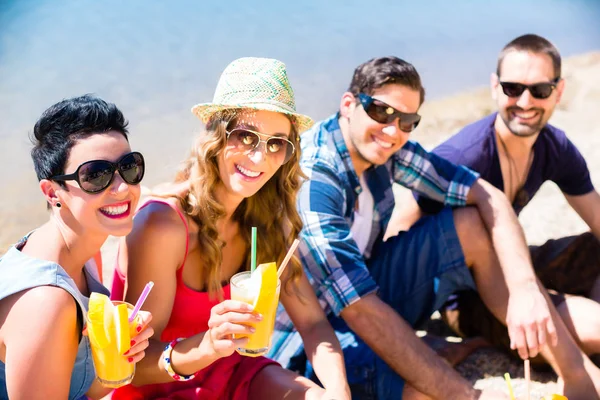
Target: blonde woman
242,172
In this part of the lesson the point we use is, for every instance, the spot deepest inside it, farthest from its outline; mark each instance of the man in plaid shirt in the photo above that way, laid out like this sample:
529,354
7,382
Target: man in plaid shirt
374,291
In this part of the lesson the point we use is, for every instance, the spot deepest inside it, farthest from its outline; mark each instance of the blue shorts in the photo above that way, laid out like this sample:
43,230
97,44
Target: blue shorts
419,269
416,272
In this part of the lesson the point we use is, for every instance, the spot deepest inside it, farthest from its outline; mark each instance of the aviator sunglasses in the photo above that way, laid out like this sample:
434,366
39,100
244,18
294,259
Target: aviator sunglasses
278,149
383,113
540,91
97,175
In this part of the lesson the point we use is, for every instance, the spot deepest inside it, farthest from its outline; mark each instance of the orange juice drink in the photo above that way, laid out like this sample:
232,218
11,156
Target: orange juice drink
110,335
261,289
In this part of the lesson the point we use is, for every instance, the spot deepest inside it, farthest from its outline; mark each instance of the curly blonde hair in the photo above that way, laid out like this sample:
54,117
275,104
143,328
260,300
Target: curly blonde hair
272,210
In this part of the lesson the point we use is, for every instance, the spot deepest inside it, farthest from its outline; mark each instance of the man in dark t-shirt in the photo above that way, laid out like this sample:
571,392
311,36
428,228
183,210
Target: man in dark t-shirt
552,157
516,150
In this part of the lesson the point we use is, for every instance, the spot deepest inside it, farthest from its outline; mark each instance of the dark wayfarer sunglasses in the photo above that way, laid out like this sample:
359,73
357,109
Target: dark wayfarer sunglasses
97,175
278,149
541,90
383,113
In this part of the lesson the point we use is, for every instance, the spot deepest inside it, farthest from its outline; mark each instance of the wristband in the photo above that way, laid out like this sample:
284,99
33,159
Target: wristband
166,356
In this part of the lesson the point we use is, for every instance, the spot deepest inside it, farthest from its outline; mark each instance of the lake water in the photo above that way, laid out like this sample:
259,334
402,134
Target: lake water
155,59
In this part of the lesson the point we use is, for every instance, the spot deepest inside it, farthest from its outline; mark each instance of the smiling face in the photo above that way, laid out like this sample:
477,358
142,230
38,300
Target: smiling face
109,212
372,143
525,115
243,173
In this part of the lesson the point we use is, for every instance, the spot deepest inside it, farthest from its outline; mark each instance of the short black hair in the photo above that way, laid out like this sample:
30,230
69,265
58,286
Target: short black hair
67,121
381,71
534,44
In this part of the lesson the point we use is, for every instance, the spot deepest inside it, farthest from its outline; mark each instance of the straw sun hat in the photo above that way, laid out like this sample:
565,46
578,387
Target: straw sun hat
255,83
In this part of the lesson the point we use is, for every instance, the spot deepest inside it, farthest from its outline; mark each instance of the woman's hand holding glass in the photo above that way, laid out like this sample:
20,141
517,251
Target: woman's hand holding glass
229,318
140,341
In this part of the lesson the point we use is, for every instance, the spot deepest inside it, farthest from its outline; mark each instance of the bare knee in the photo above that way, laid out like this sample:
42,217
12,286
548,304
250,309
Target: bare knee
582,318
276,382
472,234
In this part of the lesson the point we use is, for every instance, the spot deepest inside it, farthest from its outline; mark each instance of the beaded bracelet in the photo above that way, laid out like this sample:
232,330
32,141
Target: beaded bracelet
166,356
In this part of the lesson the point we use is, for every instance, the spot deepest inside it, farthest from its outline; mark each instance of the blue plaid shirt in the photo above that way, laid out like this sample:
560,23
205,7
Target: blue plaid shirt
326,203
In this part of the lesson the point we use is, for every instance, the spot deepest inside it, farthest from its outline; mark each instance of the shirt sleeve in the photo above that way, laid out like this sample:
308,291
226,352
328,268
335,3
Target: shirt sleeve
573,178
432,176
327,250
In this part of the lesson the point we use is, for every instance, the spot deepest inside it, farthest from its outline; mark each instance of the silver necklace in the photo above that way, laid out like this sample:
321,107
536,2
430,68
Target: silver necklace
521,197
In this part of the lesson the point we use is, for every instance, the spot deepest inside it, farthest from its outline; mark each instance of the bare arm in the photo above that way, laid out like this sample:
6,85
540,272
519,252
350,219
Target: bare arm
506,233
41,346
154,250
527,315
588,208
392,339
321,345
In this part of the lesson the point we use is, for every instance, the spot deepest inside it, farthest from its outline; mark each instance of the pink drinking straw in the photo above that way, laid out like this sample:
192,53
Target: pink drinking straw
141,301
287,258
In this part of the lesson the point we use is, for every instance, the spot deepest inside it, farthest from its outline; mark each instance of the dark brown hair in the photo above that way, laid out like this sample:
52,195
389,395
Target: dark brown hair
377,72
533,44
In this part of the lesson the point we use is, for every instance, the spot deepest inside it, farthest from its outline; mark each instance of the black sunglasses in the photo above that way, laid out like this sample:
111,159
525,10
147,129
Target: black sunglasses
278,149
383,113
97,175
541,90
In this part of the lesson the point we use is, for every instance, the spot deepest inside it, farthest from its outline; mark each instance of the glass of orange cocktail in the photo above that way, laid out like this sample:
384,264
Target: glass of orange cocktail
260,289
110,335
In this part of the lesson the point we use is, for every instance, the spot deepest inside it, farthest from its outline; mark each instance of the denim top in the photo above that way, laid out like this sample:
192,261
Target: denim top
21,272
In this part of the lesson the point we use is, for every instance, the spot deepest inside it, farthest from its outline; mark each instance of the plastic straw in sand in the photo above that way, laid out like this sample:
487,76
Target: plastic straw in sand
509,384
527,378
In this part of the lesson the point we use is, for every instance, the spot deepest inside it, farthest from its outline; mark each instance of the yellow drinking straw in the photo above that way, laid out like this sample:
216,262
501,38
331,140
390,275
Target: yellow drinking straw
509,384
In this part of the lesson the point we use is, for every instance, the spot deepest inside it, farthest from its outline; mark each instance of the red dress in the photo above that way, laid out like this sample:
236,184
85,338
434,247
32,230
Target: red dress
226,378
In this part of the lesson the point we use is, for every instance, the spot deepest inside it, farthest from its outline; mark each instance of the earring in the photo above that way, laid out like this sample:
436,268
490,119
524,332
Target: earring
58,205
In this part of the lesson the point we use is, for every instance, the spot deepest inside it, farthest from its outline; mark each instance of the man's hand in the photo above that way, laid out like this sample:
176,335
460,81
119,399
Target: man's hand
529,322
527,315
